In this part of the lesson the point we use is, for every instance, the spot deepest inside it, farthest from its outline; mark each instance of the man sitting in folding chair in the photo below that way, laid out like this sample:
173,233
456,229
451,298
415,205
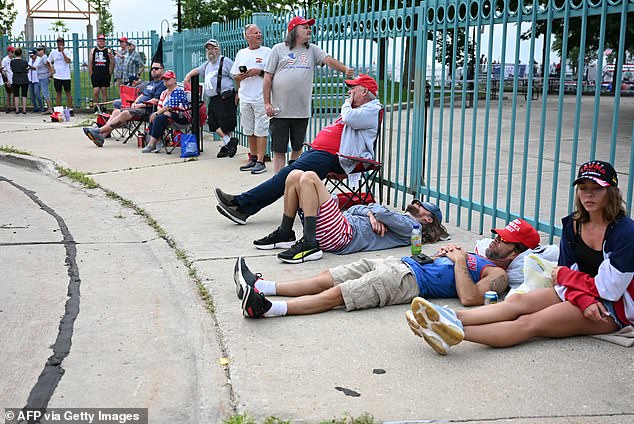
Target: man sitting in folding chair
173,107
371,227
357,125
140,110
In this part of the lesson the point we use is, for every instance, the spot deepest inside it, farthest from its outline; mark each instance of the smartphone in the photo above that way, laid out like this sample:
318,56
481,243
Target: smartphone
422,259
243,69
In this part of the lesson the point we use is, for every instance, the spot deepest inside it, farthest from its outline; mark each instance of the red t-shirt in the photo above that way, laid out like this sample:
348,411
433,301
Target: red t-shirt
329,138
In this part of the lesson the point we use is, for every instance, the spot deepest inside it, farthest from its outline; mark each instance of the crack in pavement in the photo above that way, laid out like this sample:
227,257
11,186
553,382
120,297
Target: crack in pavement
52,373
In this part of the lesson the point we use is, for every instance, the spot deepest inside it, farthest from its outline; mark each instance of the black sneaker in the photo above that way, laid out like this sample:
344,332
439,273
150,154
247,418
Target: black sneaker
254,304
243,277
232,147
301,251
276,241
223,153
233,213
249,166
225,198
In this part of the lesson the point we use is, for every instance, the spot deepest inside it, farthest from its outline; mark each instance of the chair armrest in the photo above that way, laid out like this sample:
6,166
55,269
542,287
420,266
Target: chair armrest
360,160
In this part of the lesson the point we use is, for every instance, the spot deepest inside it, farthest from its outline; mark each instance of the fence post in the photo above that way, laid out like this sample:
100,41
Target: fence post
153,45
196,127
76,70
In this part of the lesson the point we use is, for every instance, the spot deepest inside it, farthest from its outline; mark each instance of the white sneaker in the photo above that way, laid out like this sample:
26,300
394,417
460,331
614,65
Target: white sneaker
159,146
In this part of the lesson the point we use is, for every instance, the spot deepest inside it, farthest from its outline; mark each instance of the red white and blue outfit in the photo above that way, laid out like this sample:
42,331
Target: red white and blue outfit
613,285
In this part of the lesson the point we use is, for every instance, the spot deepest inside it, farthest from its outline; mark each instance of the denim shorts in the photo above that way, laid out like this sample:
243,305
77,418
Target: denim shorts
610,307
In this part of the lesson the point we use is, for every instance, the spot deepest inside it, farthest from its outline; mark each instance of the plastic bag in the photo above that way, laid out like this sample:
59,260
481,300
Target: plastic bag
537,272
189,145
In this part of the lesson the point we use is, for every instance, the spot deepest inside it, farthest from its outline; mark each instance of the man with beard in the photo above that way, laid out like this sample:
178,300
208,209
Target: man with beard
288,88
371,227
221,110
370,283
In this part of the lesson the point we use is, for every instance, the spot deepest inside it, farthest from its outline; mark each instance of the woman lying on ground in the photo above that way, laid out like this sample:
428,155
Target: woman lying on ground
593,286
172,106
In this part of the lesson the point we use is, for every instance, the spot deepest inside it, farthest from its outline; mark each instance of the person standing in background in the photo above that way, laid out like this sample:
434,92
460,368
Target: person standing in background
7,75
288,88
34,82
61,74
20,69
248,72
44,72
100,66
119,59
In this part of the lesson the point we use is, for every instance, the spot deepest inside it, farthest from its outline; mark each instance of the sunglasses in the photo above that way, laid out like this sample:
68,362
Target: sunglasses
416,202
497,237
156,69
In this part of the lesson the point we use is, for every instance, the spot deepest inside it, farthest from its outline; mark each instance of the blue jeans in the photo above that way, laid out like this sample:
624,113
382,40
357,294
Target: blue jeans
36,96
160,123
272,189
45,94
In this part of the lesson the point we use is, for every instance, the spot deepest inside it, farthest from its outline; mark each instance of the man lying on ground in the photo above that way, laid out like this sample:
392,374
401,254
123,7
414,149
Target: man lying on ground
370,283
372,227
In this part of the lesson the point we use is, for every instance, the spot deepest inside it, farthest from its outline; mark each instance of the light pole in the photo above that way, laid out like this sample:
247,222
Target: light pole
168,26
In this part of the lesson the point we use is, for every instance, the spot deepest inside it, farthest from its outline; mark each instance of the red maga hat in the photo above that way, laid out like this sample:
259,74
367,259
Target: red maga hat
298,20
364,81
519,231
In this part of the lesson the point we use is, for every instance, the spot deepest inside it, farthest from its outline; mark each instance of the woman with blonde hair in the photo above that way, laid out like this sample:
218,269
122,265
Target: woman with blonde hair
593,286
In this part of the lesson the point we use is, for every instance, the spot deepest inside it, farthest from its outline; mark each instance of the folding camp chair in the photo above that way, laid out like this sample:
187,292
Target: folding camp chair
128,95
357,187
171,138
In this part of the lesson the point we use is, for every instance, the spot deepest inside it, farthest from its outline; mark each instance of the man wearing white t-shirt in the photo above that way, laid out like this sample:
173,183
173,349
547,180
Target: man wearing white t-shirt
61,73
248,73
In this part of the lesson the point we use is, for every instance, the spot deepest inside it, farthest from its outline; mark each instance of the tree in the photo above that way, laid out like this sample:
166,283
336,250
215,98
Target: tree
7,18
59,26
104,22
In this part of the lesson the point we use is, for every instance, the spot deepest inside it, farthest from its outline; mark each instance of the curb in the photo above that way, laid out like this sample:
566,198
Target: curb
31,162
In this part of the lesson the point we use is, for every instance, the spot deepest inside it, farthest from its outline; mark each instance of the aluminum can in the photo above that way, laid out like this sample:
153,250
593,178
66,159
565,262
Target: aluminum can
490,297
140,141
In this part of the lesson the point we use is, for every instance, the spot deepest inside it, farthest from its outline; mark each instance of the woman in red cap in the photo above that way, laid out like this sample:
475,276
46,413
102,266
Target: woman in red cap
593,286
173,106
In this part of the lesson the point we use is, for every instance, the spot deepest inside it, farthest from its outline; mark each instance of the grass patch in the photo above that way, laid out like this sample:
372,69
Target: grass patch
11,149
244,418
80,177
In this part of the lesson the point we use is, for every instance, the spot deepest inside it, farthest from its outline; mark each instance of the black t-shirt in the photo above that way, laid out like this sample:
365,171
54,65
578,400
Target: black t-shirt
20,69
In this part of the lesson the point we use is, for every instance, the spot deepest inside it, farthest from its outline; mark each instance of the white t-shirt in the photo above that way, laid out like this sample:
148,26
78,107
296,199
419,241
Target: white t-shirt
251,88
6,68
62,69
33,72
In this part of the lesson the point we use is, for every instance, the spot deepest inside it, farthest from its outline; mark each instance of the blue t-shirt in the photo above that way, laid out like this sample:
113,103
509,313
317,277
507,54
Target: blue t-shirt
437,279
152,91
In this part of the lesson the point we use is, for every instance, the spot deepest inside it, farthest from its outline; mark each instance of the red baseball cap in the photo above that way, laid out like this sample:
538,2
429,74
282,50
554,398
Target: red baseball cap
298,20
123,39
101,37
519,231
364,81
168,75
10,49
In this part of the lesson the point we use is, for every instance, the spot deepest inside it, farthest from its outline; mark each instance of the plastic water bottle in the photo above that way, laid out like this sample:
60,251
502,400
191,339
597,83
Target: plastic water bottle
417,240
66,114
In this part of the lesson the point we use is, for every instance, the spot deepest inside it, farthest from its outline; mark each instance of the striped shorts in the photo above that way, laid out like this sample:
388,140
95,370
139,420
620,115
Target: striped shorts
334,232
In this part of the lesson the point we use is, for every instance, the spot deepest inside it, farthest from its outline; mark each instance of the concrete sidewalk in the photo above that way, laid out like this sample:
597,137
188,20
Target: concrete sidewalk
307,368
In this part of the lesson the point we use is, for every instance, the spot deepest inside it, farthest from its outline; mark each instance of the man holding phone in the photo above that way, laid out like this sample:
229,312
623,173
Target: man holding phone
248,73
369,283
60,62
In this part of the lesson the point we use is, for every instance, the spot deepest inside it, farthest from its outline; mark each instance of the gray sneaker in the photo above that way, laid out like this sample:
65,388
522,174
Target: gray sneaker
95,136
259,168
159,146
148,149
249,166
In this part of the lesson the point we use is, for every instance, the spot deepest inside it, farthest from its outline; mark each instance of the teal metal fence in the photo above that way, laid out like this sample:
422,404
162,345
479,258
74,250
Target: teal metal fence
519,94
78,49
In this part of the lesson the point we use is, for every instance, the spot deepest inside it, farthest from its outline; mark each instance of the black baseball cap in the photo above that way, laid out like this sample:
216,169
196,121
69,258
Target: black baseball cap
600,172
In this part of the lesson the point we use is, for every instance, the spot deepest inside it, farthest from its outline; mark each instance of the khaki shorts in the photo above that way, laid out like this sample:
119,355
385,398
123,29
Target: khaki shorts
369,283
254,120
